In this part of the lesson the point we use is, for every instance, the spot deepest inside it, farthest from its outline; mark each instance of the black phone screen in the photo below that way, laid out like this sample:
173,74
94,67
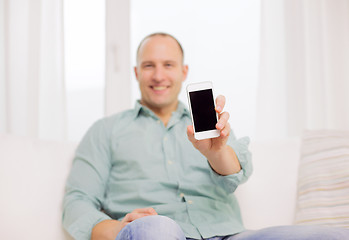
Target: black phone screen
203,110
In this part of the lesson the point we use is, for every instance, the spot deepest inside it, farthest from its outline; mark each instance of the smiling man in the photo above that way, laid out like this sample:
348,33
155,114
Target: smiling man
160,72
140,174
144,163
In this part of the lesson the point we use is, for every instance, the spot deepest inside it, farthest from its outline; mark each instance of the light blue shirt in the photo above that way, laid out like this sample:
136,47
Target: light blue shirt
131,160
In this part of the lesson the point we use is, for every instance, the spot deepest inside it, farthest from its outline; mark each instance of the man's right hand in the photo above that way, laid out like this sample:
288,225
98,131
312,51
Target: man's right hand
109,229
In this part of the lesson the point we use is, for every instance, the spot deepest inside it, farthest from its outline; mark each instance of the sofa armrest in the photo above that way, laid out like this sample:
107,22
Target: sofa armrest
32,179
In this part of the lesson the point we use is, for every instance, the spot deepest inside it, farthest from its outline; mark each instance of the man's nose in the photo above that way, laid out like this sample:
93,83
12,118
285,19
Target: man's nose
159,74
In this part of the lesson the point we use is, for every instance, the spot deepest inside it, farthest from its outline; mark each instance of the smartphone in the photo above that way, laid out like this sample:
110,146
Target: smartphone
202,109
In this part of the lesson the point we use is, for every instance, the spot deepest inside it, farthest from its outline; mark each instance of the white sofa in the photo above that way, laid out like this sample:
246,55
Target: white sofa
33,174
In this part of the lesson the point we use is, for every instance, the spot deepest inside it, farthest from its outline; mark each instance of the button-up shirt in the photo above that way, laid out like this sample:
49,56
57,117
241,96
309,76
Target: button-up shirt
132,160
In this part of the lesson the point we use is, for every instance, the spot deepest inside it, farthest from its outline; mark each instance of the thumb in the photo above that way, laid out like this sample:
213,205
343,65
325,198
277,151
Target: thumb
190,133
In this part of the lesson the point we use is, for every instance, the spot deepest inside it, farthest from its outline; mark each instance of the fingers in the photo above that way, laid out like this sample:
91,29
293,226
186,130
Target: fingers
222,123
220,103
130,217
223,120
226,130
139,213
148,211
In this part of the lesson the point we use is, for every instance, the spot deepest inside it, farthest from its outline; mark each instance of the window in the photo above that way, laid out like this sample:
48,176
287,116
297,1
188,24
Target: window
84,57
220,40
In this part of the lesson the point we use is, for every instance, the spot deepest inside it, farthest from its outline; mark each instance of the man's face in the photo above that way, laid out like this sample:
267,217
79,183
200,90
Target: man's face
160,72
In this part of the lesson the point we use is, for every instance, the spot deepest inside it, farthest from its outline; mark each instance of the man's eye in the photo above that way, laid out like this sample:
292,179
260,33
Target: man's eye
148,66
168,65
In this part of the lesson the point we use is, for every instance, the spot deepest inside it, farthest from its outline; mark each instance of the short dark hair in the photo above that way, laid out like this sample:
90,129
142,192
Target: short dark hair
159,34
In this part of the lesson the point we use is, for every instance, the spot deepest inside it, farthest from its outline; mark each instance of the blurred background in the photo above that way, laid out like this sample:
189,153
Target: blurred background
283,65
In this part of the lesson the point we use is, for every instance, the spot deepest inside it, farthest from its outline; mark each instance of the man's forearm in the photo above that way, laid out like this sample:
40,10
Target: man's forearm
225,161
106,230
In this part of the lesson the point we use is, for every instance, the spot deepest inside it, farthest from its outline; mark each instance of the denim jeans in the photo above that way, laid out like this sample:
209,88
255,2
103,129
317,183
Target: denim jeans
163,228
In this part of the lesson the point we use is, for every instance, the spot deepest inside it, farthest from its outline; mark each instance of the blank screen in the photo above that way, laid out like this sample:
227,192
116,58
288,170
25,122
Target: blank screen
202,107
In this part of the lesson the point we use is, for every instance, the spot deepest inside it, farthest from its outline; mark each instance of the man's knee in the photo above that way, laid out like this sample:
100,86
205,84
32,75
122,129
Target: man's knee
152,227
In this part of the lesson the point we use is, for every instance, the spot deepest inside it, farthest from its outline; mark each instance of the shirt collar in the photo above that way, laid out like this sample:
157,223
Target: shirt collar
140,109
182,110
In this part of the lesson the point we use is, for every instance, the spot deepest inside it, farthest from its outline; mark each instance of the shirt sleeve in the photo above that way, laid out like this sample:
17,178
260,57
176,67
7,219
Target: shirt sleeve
230,182
85,187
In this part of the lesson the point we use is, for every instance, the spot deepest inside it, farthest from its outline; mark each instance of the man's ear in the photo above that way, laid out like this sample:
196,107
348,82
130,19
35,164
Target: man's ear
185,72
136,73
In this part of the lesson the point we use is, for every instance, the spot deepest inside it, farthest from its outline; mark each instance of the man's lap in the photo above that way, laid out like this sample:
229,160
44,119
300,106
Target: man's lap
160,227
151,227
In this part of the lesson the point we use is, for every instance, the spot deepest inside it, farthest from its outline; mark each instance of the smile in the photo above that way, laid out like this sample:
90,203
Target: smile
159,88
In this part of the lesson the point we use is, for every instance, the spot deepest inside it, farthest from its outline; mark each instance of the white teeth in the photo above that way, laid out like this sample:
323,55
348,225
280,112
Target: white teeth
159,88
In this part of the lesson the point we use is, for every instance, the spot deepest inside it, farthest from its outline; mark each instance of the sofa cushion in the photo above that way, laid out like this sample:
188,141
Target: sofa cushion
268,197
323,181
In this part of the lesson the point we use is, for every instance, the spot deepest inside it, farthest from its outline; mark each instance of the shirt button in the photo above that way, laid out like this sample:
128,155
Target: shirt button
169,162
165,139
181,195
158,121
190,202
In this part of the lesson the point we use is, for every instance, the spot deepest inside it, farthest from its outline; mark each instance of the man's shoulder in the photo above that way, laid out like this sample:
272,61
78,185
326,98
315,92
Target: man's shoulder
106,127
118,118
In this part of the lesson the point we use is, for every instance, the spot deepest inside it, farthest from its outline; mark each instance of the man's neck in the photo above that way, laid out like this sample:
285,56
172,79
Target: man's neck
165,113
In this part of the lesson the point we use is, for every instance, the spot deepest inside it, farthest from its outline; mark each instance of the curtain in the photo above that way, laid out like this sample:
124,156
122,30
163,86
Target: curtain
32,76
2,68
304,67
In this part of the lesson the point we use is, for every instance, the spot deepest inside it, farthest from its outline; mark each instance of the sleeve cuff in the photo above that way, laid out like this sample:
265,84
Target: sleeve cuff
240,147
82,227
230,182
